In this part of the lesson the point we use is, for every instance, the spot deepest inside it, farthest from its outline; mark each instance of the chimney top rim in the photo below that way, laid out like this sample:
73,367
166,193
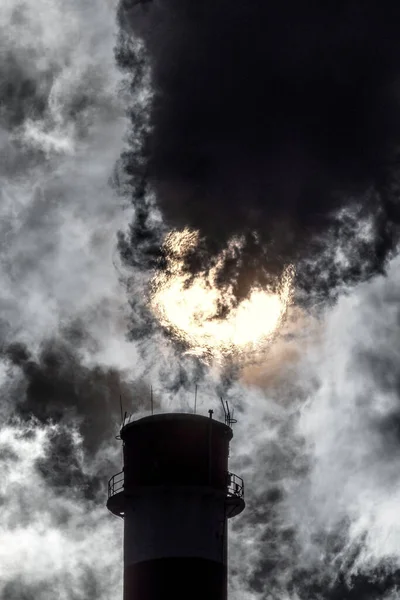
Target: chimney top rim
174,416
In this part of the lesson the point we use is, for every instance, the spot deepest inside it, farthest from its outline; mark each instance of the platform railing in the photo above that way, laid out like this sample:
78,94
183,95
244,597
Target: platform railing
234,486
116,484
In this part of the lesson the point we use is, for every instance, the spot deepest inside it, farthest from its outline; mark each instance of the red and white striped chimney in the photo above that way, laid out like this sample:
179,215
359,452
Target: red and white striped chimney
175,494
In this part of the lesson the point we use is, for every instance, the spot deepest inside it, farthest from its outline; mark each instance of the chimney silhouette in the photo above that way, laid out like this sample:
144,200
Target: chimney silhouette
176,495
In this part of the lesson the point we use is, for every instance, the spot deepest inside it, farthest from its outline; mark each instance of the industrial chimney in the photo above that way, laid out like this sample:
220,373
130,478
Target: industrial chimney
175,494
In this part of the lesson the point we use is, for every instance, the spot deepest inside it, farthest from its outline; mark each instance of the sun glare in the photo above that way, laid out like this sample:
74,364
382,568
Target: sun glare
189,309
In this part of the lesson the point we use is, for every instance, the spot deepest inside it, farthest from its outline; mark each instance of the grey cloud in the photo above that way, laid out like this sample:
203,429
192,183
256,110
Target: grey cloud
64,357
322,463
51,542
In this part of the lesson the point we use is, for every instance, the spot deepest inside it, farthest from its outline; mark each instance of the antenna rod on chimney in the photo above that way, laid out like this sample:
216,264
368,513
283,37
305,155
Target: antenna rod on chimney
120,404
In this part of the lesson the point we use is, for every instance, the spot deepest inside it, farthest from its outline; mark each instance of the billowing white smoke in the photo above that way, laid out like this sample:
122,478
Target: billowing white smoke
351,422
61,128
320,454
52,544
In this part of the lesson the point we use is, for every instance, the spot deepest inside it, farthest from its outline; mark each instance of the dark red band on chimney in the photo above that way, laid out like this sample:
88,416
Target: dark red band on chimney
176,579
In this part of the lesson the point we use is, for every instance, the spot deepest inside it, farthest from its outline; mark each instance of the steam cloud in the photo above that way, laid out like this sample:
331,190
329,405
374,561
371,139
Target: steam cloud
270,122
321,510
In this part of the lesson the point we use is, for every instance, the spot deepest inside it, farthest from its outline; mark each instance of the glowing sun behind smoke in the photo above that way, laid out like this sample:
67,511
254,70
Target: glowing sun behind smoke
190,308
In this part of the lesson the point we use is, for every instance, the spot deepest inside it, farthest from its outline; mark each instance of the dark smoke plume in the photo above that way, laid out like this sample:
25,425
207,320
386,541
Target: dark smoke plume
56,387
266,119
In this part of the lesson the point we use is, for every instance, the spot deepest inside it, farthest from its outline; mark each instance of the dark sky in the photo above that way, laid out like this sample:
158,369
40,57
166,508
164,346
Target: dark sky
317,438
